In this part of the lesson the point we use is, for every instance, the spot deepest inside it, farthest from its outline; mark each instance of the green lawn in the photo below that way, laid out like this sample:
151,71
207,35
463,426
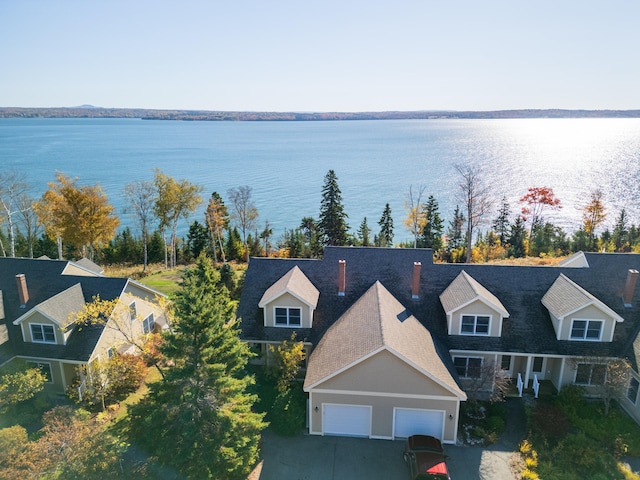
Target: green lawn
166,281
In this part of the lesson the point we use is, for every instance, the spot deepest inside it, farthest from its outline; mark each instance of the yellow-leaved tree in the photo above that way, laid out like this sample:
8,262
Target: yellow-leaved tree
80,215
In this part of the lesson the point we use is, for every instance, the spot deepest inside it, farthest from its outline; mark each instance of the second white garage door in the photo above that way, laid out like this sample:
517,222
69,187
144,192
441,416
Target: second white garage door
348,420
410,421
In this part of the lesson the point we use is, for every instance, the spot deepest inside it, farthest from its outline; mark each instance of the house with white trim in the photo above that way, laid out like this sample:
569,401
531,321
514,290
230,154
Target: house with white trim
38,300
394,339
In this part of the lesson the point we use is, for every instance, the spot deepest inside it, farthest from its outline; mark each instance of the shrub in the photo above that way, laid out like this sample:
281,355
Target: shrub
550,422
288,413
495,424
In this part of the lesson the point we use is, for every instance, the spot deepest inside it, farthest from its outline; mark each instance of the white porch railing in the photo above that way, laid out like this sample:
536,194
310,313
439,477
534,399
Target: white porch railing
520,384
536,386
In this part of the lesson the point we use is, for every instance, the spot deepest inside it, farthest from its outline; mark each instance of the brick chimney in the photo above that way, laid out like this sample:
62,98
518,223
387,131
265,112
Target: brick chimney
415,285
629,287
23,292
342,277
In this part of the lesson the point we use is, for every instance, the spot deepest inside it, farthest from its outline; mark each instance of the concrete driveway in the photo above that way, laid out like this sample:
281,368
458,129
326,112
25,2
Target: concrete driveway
308,457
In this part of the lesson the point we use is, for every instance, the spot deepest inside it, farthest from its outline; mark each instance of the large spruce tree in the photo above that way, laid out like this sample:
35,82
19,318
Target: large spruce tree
433,226
332,225
199,418
385,238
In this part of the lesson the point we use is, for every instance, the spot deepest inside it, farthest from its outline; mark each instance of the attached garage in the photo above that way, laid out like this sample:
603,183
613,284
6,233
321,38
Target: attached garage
377,374
412,421
348,420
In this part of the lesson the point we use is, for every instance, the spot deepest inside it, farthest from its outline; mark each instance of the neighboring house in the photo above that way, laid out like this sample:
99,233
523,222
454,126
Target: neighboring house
37,301
395,339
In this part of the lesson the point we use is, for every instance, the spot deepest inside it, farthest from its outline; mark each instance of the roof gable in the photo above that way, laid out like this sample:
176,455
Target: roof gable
565,297
59,307
377,321
295,283
463,290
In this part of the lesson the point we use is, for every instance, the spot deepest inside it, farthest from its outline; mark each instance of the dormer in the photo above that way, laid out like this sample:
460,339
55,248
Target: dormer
472,309
577,315
49,322
290,302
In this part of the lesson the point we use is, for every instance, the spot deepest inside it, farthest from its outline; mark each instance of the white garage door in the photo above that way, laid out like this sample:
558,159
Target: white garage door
409,422
349,420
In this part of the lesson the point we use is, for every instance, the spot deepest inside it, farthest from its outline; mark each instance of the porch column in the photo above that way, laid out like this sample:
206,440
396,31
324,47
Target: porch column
526,374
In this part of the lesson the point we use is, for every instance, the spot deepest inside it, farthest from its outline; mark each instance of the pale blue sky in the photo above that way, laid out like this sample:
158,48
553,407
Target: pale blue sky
270,55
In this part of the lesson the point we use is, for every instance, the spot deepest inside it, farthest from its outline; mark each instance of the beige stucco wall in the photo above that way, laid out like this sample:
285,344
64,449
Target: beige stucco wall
588,313
287,300
72,269
475,308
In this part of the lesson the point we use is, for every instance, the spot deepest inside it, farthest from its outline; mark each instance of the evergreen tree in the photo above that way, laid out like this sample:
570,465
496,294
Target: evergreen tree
620,233
197,240
234,245
517,238
199,418
364,233
385,239
455,231
433,228
332,225
501,224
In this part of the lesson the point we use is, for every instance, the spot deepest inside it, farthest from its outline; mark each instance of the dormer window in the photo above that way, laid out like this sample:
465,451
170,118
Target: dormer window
475,325
586,330
288,316
42,333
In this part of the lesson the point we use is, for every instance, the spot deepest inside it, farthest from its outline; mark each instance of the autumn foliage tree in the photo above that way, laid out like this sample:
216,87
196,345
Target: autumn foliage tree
217,218
536,201
593,214
80,215
174,199
415,220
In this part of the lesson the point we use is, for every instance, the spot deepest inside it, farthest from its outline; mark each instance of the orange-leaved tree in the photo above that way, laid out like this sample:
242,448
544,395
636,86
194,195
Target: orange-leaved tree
536,201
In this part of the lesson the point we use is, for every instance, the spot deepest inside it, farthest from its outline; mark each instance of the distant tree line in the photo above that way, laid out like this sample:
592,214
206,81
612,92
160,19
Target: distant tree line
72,221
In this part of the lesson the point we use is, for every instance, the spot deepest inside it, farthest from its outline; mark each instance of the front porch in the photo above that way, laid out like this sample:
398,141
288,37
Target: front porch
535,388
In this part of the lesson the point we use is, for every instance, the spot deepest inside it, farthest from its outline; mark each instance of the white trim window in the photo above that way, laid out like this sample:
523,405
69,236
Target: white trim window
132,311
475,324
590,330
468,367
44,367
41,333
148,324
287,316
590,374
632,390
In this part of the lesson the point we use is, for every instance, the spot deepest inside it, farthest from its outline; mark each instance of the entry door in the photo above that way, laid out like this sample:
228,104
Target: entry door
347,420
409,421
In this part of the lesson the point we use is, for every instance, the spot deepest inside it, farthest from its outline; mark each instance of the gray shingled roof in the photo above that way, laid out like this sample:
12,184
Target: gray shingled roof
59,307
45,279
297,284
565,297
464,290
519,289
377,321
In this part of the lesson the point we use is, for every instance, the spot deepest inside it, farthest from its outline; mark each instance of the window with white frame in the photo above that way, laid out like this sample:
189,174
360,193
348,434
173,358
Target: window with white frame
288,316
632,390
44,367
468,367
590,374
537,364
42,333
148,323
586,330
475,325
505,363
132,310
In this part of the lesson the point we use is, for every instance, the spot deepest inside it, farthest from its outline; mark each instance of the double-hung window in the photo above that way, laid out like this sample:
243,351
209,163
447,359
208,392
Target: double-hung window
42,333
148,323
586,330
288,316
632,390
468,367
475,325
45,368
591,374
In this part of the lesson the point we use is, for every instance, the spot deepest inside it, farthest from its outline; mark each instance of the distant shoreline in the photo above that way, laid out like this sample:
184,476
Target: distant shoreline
210,115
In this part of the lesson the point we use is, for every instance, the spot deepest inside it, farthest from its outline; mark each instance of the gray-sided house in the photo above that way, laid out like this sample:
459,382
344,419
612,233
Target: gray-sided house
396,341
38,299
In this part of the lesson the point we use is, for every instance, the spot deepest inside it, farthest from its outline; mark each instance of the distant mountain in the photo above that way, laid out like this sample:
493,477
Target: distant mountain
90,111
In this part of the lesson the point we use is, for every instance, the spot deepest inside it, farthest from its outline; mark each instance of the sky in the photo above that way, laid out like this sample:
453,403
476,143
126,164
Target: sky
321,56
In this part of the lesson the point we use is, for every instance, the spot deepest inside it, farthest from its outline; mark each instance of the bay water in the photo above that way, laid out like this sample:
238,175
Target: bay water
376,162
